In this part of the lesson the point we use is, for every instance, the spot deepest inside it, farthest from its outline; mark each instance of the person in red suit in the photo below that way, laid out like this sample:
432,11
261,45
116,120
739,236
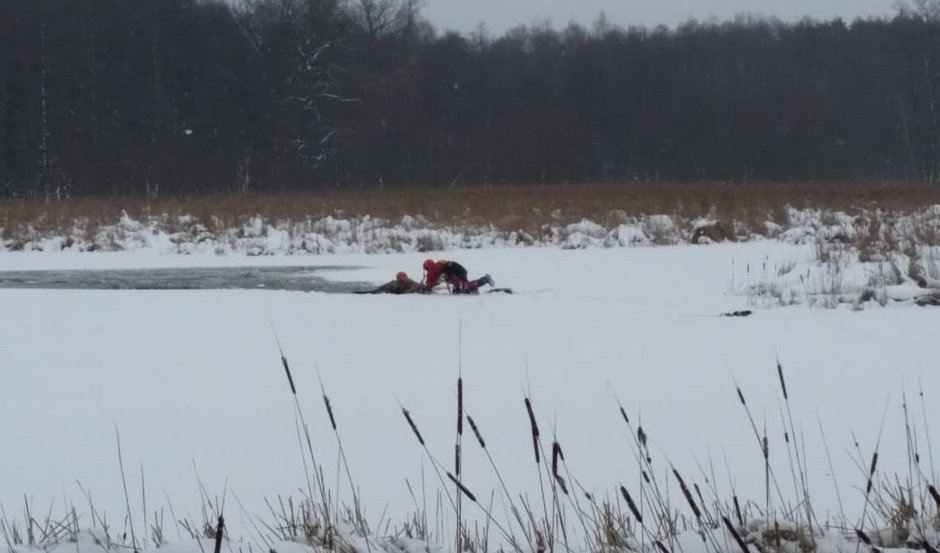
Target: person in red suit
454,274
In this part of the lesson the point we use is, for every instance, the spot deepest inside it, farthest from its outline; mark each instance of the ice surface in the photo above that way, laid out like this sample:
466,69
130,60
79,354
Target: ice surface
193,382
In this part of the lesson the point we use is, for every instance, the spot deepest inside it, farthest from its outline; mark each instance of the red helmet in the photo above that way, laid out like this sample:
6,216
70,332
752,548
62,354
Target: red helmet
428,263
401,276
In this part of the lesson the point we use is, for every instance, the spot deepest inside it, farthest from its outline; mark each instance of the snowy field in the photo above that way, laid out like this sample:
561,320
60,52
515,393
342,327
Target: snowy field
192,381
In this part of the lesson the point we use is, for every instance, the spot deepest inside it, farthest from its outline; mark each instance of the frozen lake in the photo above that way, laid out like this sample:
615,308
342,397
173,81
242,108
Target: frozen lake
192,378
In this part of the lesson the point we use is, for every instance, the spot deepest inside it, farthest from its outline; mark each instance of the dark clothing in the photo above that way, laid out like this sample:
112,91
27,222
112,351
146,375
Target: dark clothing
398,286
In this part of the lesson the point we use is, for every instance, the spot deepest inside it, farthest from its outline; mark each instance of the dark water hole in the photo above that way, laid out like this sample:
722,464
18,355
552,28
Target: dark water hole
303,279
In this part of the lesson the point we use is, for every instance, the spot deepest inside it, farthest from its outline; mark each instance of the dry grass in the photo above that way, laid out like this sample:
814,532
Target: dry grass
507,208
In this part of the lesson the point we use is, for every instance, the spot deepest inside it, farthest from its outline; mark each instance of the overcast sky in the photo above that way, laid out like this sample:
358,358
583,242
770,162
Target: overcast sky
500,15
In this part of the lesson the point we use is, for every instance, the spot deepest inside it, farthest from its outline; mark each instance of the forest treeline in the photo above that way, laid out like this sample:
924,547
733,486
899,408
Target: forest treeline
160,97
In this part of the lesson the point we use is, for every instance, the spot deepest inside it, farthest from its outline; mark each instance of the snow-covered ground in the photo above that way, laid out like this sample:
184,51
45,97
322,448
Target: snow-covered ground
870,255
192,381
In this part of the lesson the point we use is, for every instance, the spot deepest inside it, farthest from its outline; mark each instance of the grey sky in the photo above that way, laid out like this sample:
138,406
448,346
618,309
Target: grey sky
501,15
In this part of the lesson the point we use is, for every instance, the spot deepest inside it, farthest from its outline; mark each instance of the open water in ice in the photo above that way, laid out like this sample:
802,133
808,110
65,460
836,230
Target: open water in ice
303,279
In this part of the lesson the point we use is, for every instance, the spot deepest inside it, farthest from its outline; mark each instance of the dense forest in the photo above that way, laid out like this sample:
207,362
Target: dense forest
168,97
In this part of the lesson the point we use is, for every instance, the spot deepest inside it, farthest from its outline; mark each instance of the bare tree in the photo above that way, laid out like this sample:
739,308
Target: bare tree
928,10
379,18
301,42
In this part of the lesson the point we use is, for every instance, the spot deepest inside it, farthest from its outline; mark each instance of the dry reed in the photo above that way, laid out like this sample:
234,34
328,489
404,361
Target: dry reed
523,208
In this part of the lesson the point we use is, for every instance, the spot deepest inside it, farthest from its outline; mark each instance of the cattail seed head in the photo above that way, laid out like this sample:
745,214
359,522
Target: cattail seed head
290,379
688,495
535,426
462,488
631,504
735,534
414,427
535,430
783,384
561,484
871,473
460,406
329,411
476,431
555,450
934,494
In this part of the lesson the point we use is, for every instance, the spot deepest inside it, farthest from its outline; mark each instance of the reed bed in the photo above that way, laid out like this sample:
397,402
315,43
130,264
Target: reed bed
522,208
898,513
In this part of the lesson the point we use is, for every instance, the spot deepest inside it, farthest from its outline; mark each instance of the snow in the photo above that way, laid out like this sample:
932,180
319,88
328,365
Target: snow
192,380
631,235
257,235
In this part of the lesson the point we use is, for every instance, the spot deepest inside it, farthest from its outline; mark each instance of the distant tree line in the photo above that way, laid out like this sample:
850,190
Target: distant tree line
158,97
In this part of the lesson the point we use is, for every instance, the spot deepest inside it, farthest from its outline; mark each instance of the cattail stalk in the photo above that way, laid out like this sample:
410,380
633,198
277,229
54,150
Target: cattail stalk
502,483
457,445
219,531
463,489
435,464
357,505
735,535
318,480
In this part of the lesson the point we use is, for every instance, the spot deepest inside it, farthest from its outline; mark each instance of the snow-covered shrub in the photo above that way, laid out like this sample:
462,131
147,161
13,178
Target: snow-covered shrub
631,235
709,231
662,230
